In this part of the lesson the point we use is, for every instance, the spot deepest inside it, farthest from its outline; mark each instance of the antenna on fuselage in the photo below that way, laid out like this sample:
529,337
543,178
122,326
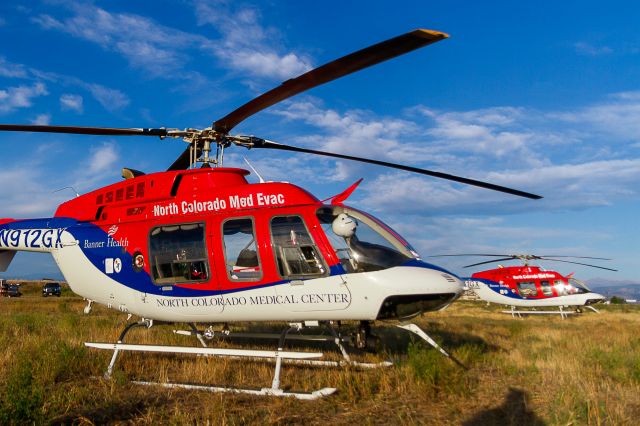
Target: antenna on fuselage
67,187
254,170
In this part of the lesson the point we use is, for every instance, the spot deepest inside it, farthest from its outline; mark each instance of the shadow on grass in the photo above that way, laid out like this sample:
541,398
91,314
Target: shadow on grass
112,411
396,341
513,411
391,340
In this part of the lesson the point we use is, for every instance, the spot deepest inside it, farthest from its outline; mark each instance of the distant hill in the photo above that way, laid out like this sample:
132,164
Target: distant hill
605,282
627,289
55,275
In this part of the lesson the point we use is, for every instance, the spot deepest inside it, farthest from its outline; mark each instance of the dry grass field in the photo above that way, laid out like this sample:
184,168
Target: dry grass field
534,371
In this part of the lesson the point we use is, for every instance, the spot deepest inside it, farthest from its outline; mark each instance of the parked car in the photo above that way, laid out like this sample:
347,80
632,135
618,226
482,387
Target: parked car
4,288
51,289
13,290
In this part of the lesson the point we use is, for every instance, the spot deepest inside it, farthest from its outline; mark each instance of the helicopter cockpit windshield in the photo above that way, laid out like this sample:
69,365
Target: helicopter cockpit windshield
362,242
579,286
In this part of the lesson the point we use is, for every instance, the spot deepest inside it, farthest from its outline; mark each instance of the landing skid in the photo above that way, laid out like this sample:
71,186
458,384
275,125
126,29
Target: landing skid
563,314
418,331
310,396
592,308
278,356
334,338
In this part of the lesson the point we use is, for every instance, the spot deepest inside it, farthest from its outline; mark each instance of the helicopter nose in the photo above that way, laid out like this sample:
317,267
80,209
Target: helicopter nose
595,298
421,290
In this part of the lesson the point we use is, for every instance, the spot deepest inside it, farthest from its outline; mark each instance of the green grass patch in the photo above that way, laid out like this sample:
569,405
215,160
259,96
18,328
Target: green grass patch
23,395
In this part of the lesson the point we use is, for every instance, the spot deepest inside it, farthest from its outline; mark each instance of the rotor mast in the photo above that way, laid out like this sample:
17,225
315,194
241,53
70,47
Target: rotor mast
200,146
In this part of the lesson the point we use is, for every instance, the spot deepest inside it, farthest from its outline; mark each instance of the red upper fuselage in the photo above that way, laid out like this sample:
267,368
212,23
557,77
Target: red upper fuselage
128,210
529,281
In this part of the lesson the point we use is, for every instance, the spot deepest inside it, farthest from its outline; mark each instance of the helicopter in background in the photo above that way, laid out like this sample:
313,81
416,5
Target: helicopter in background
530,286
199,244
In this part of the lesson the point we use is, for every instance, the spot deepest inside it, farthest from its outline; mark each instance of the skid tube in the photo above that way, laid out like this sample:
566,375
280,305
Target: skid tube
278,355
335,338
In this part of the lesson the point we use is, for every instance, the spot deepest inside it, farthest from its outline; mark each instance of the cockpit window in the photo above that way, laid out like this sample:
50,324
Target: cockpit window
545,285
578,286
296,254
561,287
361,242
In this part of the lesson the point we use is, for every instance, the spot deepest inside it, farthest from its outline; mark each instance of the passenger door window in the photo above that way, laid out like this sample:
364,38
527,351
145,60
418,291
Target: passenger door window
295,252
240,250
527,289
178,254
546,288
561,287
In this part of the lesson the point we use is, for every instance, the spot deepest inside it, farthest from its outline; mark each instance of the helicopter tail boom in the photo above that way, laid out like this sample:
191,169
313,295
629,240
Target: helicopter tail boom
30,235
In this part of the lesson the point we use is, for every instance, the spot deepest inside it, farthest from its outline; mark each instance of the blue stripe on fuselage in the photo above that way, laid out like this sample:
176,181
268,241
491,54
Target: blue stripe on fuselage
98,247
422,264
496,287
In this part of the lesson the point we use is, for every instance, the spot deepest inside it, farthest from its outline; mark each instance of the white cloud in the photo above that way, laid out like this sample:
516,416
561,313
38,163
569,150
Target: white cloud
71,102
30,193
110,99
356,133
35,183
103,158
246,45
564,187
164,51
618,116
11,70
143,42
42,119
576,159
584,48
102,165
454,235
20,96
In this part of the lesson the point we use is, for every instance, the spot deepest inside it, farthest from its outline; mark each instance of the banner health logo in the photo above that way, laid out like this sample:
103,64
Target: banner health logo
112,230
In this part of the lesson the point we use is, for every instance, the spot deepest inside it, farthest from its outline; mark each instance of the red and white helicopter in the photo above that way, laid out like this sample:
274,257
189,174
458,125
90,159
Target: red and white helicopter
201,245
533,287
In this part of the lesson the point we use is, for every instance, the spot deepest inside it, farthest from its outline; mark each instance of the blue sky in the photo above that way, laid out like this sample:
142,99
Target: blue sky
544,98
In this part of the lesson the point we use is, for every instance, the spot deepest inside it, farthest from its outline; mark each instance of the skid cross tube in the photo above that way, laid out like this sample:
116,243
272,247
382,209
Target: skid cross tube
278,355
334,338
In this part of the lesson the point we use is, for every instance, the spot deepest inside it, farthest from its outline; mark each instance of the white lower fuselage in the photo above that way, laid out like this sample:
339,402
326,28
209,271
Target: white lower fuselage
358,296
503,295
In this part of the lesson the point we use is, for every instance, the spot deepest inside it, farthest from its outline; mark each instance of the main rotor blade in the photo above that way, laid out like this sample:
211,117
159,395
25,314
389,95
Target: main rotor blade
469,254
583,264
333,70
184,160
573,257
261,143
78,130
488,261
